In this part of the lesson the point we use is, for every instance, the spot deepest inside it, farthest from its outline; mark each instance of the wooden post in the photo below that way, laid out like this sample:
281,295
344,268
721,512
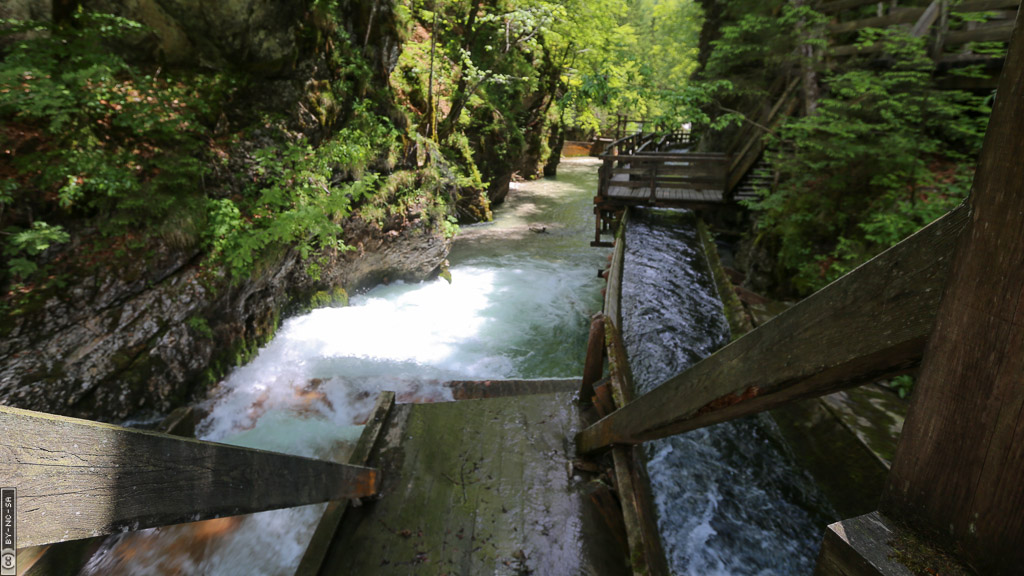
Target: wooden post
593,366
958,469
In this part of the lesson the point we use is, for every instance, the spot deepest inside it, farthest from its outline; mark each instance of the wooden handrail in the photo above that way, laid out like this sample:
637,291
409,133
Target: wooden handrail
871,323
78,479
640,158
904,16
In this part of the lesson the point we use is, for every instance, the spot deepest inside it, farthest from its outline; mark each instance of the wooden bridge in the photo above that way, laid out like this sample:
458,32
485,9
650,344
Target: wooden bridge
656,170
487,484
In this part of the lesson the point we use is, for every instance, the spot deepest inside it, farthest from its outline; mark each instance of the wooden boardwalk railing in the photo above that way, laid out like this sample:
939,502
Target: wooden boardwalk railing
987,21
869,324
651,170
80,479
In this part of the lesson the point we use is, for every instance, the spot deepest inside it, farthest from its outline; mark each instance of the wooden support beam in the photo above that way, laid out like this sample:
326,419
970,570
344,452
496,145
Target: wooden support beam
924,23
613,289
957,472
78,479
320,542
841,5
984,5
870,323
901,16
999,32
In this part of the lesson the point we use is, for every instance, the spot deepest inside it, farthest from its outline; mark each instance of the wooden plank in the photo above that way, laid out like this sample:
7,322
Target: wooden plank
983,6
593,365
478,389
630,511
900,16
620,375
996,32
67,558
841,5
870,323
924,23
478,487
320,542
613,289
746,161
957,470
851,49
661,157
693,170
79,479
860,547
695,184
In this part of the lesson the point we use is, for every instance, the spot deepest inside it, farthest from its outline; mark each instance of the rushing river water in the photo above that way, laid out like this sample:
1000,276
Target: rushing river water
730,500
518,306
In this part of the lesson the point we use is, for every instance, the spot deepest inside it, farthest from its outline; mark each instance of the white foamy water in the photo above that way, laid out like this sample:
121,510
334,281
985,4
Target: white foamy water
518,307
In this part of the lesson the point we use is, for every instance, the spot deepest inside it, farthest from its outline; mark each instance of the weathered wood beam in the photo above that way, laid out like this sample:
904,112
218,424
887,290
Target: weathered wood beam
984,5
873,545
745,160
901,16
78,479
613,289
662,157
999,32
956,474
924,23
870,323
841,5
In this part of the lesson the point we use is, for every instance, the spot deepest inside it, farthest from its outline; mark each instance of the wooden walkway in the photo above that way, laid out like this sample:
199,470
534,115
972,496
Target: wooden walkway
657,170
479,487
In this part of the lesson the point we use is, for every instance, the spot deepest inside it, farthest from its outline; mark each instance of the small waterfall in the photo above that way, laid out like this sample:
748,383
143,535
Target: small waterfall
519,305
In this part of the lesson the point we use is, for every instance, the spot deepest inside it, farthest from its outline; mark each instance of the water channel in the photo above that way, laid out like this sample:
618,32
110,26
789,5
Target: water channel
522,292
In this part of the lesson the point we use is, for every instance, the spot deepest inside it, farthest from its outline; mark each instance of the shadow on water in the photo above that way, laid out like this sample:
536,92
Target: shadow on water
730,499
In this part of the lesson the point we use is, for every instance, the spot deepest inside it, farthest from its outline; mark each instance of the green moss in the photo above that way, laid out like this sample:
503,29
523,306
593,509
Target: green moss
739,323
924,558
336,297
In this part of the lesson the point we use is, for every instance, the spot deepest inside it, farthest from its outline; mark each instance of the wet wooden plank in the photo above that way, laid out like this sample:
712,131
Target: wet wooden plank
79,479
860,547
478,487
320,542
477,389
613,289
871,323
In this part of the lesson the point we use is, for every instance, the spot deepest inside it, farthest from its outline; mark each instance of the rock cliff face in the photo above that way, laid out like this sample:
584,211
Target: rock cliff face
148,337
149,331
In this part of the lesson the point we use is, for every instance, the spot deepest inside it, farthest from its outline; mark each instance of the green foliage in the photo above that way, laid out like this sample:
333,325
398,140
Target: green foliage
30,242
94,138
885,153
632,58
903,385
298,199
200,326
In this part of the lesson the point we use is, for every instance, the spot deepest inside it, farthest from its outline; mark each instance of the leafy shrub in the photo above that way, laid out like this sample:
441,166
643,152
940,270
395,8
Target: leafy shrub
885,153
